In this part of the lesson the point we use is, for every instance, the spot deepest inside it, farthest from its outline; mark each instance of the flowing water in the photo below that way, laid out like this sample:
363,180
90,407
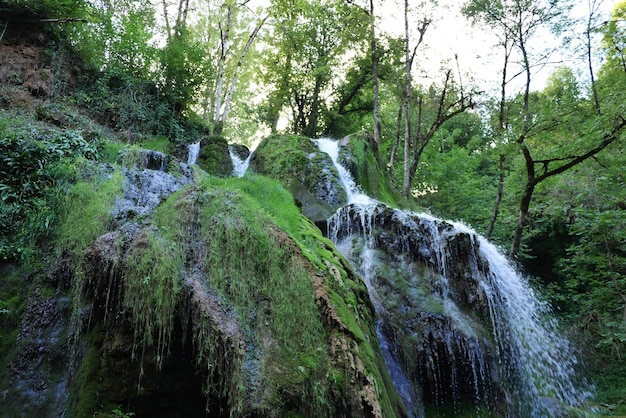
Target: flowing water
194,151
457,324
240,166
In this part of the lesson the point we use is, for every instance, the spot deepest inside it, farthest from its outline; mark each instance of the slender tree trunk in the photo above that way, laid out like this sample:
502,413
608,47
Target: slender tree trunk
500,131
594,89
224,40
530,163
496,205
168,28
377,134
221,117
522,220
311,124
396,143
406,185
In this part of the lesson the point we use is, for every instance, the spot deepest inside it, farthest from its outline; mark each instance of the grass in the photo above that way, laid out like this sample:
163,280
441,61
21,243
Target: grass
87,212
152,284
252,268
156,143
253,238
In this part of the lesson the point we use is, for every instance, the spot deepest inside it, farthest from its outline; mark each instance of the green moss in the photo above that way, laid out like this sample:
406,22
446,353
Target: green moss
284,157
373,178
156,143
87,212
297,163
12,304
249,263
214,157
152,283
84,398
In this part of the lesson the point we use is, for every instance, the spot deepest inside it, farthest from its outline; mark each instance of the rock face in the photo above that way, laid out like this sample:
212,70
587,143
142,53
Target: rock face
23,66
421,275
214,157
304,170
195,302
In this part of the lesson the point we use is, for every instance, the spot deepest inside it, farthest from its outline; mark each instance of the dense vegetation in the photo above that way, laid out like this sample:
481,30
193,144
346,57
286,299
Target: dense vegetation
539,169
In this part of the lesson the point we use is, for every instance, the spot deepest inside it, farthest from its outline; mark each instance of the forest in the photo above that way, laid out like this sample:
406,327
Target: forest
532,157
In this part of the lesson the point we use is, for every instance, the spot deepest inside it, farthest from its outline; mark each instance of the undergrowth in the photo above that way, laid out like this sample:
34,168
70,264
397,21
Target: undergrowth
87,212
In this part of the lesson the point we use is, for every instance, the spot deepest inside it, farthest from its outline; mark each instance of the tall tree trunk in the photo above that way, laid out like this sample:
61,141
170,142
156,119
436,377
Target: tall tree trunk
496,205
168,28
377,135
528,160
499,132
523,218
406,185
224,40
312,122
222,116
594,88
396,143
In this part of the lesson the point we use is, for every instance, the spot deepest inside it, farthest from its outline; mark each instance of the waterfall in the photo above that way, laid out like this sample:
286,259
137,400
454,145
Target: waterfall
240,166
458,325
193,151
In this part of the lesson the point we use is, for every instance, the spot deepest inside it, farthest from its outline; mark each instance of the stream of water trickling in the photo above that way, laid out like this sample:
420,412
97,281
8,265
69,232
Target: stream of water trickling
240,166
533,365
193,152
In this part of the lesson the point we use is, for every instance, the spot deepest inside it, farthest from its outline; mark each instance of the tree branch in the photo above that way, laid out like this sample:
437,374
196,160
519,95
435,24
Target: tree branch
609,138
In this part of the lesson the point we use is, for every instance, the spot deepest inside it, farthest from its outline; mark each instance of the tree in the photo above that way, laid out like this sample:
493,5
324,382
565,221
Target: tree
309,39
519,20
433,108
223,98
184,63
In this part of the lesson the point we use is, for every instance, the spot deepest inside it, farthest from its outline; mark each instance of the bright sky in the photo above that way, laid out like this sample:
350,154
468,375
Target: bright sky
477,54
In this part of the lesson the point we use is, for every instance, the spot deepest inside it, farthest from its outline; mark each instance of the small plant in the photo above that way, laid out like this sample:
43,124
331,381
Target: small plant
119,414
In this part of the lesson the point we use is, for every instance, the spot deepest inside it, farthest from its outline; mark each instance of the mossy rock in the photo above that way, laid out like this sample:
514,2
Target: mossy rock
214,157
358,157
304,170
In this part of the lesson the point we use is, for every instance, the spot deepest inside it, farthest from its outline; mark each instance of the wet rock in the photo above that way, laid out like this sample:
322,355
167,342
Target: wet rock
39,371
147,184
431,305
304,170
214,157
241,150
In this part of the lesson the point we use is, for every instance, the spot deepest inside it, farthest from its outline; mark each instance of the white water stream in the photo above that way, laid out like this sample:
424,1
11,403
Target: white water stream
239,166
193,152
529,348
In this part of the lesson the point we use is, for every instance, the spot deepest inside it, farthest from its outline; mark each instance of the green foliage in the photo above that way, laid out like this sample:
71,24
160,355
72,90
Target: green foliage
249,264
185,68
37,165
457,185
310,42
45,9
152,284
87,211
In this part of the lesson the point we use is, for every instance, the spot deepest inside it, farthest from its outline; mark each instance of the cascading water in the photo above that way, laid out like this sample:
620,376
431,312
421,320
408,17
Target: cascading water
240,166
458,325
193,152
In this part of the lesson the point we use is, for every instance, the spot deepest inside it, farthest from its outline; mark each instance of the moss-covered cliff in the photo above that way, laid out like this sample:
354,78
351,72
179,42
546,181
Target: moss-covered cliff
131,282
218,297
